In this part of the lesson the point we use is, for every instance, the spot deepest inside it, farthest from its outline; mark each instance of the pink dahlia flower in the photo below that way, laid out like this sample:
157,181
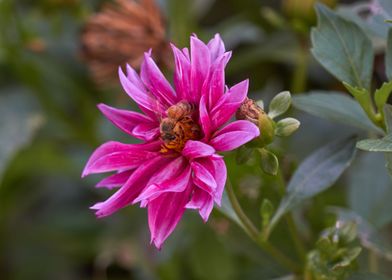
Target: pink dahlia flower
176,167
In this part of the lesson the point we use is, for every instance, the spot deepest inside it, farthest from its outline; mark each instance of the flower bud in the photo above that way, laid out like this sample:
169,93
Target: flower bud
269,163
249,110
286,127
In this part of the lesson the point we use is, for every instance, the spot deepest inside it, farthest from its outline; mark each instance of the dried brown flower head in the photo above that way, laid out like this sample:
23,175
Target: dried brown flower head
120,34
250,111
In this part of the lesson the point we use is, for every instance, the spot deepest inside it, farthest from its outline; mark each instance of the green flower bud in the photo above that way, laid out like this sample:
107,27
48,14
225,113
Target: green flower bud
286,127
266,211
249,110
269,162
279,104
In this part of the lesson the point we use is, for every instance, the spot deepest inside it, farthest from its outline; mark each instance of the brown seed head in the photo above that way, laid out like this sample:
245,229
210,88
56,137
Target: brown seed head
250,111
120,33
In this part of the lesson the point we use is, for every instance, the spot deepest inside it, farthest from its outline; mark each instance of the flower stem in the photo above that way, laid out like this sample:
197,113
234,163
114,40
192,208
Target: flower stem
254,234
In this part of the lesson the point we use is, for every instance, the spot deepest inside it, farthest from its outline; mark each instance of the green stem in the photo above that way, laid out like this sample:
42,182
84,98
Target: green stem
254,234
298,83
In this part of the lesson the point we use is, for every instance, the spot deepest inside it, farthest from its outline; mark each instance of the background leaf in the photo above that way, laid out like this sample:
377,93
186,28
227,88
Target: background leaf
19,119
388,56
336,107
316,173
370,196
342,48
376,145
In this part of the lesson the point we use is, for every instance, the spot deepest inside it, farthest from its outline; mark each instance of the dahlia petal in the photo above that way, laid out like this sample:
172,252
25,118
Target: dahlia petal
164,213
185,51
135,124
234,135
146,102
171,170
217,167
146,132
205,120
203,178
216,47
220,175
132,188
217,83
182,73
156,82
113,156
197,149
229,103
202,201
135,79
115,180
200,67
174,184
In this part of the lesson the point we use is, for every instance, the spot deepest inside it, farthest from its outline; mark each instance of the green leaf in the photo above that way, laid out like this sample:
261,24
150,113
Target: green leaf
286,127
269,162
374,24
336,107
366,276
279,104
382,94
370,196
369,237
376,145
316,173
342,48
388,56
388,117
19,119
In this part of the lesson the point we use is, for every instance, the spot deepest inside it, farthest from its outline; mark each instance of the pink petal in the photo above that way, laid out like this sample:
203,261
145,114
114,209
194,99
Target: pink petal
217,81
133,123
200,67
217,167
182,73
164,213
134,78
172,169
205,121
146,102
115,180
201,200
113,156
234,135
174,184
132,188
185,51
203,178
197,149
216,47
228,104
156,81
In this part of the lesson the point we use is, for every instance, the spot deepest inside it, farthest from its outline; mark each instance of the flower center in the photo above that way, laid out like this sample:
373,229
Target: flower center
179,127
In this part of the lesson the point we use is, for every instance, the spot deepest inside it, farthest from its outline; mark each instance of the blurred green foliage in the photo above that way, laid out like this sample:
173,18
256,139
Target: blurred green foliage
49,125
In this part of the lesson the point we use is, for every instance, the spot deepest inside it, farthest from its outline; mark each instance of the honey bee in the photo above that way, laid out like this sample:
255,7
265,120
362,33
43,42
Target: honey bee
178,127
